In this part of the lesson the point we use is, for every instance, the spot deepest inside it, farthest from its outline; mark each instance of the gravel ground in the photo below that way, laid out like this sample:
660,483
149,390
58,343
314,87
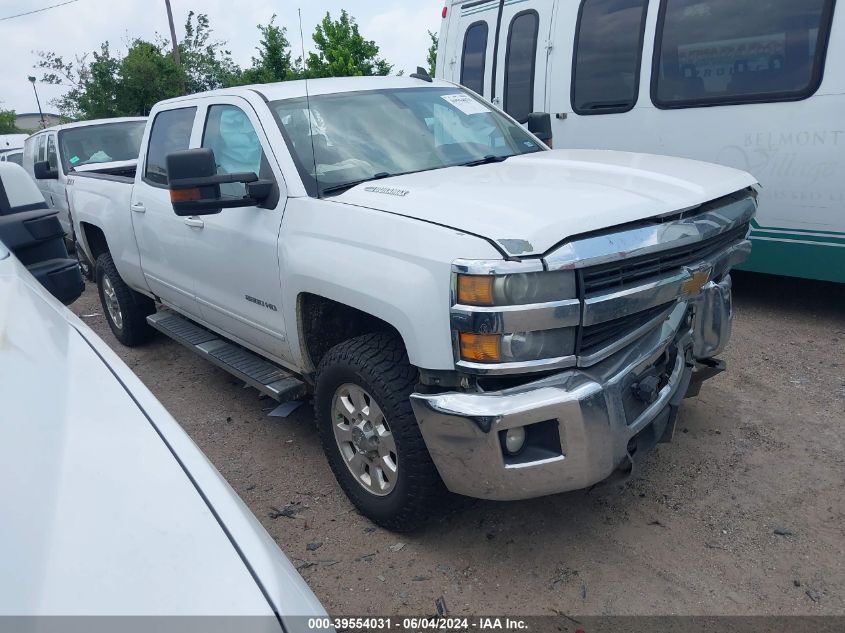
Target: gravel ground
744,513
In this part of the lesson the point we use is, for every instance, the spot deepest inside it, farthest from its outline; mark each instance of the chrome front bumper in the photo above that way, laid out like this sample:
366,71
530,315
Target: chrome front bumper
589,410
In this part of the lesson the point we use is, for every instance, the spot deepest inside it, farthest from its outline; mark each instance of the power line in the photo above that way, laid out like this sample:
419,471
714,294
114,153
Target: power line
20,15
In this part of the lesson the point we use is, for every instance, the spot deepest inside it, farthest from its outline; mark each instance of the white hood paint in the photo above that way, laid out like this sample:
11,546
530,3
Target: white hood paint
530,203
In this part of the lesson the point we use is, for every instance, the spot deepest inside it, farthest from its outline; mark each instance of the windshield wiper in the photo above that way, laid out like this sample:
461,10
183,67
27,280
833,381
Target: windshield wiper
348,185
490,158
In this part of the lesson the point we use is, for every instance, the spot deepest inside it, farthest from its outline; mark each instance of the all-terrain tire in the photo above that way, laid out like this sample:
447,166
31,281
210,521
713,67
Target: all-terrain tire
379,364
129,325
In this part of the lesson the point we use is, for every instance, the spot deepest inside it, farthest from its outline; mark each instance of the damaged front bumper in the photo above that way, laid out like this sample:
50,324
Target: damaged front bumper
581,424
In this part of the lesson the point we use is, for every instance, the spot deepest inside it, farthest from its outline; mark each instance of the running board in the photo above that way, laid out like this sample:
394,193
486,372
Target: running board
268,378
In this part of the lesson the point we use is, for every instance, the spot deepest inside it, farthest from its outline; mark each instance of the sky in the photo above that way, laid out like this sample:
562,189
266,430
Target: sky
399,27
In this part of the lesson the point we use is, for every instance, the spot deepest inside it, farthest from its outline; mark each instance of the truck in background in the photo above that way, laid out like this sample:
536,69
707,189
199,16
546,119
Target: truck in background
52,156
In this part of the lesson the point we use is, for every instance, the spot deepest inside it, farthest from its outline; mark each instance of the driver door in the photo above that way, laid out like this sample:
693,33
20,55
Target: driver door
238,288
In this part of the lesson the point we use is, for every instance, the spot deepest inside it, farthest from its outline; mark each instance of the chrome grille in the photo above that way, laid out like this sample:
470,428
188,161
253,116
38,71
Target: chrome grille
595,338
614,276
622,277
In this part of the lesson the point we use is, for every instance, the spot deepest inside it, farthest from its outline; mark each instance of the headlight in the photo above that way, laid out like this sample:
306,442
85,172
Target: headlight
516,289
518,347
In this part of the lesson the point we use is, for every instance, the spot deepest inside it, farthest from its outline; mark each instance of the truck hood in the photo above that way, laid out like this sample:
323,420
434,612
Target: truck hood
528,204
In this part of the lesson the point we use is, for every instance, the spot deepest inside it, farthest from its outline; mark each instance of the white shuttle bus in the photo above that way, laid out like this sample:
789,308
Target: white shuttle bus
753,84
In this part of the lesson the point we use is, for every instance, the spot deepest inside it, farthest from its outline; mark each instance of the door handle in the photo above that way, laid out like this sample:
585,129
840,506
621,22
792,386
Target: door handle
138,207
196,223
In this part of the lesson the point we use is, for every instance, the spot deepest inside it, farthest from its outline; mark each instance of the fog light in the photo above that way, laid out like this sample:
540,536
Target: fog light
514,440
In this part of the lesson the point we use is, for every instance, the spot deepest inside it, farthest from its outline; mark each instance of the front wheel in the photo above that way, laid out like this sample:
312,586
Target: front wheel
370,435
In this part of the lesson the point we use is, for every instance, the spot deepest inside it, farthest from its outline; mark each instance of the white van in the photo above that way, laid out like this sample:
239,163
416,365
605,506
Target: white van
106,146
11,142
12,156
750,84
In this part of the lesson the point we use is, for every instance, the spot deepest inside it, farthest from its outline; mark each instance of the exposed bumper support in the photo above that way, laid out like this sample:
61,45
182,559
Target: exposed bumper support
585,421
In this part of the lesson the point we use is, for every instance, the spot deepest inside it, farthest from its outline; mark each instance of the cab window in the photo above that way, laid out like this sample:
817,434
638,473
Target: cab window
608,46
520,60
237,149
711,52
42,147
474,57
171,132
52,157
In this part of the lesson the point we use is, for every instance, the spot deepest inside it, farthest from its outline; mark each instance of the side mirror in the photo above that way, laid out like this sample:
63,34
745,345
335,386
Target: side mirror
41,170
195,184
540,125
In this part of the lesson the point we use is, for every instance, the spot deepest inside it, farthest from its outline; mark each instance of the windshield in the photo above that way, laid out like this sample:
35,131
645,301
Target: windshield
359,136
104,143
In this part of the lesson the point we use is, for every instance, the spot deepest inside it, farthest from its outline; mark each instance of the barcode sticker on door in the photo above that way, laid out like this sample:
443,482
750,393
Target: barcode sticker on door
465,103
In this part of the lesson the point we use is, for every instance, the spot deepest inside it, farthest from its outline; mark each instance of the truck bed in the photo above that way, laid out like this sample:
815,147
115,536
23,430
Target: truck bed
120,171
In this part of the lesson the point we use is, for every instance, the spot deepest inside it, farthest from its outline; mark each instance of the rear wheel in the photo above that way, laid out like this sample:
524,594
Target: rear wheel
370,435
126,310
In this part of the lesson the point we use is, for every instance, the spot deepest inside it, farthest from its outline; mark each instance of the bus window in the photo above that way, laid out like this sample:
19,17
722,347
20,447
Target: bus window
520,60
608,52
474,57
711,52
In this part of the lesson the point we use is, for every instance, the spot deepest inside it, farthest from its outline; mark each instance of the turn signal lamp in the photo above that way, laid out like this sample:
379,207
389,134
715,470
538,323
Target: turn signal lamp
475,290
185,195
480,348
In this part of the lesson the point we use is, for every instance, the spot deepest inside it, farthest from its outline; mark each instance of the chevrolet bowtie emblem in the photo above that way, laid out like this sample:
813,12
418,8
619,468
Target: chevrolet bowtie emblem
696,282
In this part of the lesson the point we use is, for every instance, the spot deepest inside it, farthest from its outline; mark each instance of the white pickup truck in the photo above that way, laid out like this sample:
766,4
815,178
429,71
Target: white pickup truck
472,311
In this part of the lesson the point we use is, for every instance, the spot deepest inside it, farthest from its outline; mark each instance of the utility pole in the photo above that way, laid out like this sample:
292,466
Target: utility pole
38,101
176,57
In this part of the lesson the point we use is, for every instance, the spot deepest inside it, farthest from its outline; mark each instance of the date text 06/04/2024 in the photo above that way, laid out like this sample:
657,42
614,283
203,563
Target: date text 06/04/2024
410,624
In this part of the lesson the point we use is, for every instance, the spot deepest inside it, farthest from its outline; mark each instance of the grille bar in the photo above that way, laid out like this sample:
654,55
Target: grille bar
611,277
596,337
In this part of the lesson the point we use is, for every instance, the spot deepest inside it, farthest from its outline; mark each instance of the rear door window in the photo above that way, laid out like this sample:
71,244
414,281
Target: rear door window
608,51
711,52
474,57
171,132
520,62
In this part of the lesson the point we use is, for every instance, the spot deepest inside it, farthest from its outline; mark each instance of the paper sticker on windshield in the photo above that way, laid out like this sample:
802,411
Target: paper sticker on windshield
74,160
465,103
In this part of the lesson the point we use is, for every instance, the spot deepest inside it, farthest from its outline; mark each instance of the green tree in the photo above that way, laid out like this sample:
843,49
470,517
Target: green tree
7,122
110,86
207,63
431,58
343,52
147,74
274,62
91,84
102,84
95,95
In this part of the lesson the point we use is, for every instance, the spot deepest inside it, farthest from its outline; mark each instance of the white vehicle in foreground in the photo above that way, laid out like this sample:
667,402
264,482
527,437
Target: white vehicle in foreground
12,156
471,310
54,155
109,509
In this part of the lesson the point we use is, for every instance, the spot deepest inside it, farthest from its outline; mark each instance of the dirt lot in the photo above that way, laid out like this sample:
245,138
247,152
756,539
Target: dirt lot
759,451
